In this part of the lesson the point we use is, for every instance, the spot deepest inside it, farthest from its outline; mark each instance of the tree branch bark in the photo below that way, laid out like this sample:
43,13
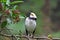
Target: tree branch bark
23,36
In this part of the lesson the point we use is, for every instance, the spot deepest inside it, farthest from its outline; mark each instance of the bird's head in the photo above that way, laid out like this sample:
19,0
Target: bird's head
32,15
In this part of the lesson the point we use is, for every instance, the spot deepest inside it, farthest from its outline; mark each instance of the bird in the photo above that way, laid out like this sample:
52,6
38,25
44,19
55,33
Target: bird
30,23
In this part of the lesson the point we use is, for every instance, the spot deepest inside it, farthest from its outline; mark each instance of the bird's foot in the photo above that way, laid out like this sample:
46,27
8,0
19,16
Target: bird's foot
32,36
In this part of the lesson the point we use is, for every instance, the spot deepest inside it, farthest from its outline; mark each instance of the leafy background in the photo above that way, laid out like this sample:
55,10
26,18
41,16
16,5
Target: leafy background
35,6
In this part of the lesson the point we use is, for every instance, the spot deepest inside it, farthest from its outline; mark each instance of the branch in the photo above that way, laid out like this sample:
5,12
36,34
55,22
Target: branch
24,36
5,35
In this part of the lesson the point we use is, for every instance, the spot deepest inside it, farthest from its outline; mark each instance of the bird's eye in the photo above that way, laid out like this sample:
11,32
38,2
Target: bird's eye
32,14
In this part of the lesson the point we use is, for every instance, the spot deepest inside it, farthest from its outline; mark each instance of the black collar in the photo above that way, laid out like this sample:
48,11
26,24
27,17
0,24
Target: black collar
33,18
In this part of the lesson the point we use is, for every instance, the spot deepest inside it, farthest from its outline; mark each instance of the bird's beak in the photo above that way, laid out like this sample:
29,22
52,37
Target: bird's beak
35,18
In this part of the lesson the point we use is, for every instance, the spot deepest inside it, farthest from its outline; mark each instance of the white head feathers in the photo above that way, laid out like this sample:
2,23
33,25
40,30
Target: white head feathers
32,15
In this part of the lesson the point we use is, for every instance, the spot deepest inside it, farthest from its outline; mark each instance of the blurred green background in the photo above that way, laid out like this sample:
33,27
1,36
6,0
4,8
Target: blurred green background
35,6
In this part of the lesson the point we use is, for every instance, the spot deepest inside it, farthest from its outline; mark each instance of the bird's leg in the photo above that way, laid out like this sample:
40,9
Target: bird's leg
28,35
26,32
33,33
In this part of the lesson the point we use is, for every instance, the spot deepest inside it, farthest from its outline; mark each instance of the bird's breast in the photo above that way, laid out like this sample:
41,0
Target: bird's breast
30,24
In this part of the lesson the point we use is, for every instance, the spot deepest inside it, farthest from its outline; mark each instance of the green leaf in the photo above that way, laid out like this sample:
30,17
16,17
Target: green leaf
16,2
3,5
3,24
3,0
8,2
15,7
14,15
